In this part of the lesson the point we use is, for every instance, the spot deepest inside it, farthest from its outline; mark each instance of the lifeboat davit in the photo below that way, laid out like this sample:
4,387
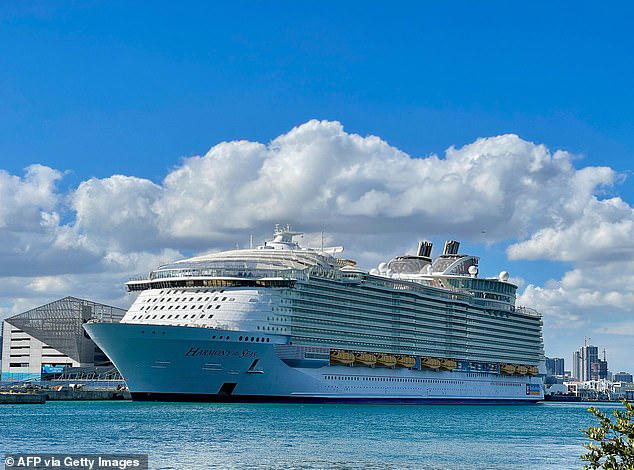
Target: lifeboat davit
405,361
430,362
363,358
508,369
532,370
521,370
448,364
341,357
385,360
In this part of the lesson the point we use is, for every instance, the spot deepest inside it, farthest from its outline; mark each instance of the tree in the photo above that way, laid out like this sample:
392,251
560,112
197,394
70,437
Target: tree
612,442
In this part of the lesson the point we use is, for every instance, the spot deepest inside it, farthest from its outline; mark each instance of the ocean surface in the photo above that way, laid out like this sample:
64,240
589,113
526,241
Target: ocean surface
192,436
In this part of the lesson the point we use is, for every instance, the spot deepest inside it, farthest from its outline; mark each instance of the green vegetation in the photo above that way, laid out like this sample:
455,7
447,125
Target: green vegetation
612,442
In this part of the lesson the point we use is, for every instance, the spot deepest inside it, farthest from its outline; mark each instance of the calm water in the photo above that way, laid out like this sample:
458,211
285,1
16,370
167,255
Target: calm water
305,436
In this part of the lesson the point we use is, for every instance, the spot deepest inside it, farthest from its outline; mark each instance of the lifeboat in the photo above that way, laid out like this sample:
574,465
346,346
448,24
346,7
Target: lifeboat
448,364
385,360
521,370
341,357
508,369
405,361
365,359
532,370
430,362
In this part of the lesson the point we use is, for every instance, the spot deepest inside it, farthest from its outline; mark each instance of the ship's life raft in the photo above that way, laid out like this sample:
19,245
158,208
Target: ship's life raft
341,357
405,361
521,370
448,364
430,363
385,360
363,358
508,369
532,370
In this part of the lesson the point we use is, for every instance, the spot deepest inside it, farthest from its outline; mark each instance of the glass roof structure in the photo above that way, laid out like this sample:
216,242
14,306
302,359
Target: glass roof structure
59,324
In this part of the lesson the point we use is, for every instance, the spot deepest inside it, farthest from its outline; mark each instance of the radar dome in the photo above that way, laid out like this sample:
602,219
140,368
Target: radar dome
473,270
374,271
503,276
382,267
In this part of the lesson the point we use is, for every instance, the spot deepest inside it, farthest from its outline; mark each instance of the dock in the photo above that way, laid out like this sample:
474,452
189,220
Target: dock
22,398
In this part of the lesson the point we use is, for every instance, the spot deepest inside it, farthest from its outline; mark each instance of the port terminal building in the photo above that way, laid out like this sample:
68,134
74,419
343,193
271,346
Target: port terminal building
50,339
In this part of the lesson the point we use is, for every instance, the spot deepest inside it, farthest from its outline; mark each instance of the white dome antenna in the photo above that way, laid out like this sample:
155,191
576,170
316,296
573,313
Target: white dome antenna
503,276
473,270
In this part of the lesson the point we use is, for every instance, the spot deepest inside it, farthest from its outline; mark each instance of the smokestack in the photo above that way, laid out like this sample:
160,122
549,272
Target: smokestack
424,249
451,247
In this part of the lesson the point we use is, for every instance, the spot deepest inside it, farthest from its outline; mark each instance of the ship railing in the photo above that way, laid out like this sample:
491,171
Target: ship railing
527,311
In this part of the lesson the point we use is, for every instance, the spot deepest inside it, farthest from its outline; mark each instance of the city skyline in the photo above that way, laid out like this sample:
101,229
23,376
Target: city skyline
125,145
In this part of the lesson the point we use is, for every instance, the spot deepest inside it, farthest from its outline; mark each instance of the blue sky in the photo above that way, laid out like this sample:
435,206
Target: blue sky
93,89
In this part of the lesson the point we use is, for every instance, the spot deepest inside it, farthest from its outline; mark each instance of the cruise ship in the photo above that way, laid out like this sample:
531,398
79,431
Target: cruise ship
286,323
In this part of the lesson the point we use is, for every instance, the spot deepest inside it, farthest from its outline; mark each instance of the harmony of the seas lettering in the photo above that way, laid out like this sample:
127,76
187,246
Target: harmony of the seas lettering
194,351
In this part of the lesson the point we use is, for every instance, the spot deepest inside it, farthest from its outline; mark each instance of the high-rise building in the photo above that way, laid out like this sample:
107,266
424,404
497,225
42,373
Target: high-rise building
623,377
576,365
554,366
599,370
582,361
589,354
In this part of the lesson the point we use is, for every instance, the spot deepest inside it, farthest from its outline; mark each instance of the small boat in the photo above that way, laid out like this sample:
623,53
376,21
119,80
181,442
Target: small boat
508,369
532,370
364,358
341,357
385,360
405,361
448,364
430,363
521,370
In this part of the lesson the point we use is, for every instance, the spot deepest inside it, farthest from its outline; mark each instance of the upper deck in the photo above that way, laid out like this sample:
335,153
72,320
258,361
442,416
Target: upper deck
281,262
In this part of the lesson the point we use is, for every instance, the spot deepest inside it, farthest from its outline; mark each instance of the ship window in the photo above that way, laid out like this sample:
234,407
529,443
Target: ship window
176,299
176,316
169,300
184,316
268,339
170,307
162,299
169,316
199,299
206,299
209,306
162,316
215,298
224,298
252,338
162,307
217,307
210,316
154,317
240,338
191,300
200,306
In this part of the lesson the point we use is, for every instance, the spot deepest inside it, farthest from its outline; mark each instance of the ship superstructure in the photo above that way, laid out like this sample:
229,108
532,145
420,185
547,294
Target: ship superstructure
284,323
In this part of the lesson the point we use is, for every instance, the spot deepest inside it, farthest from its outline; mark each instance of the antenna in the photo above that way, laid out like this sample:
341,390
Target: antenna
251,241
322,239
604,355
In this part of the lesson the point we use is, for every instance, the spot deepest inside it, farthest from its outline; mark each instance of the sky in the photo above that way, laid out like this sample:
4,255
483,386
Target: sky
131,136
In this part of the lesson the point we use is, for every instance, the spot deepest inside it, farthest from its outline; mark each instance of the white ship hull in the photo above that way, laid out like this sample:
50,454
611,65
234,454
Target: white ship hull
179,363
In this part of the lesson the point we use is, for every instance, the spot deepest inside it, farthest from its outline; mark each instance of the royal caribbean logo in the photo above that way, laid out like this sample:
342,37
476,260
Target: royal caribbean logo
533,389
